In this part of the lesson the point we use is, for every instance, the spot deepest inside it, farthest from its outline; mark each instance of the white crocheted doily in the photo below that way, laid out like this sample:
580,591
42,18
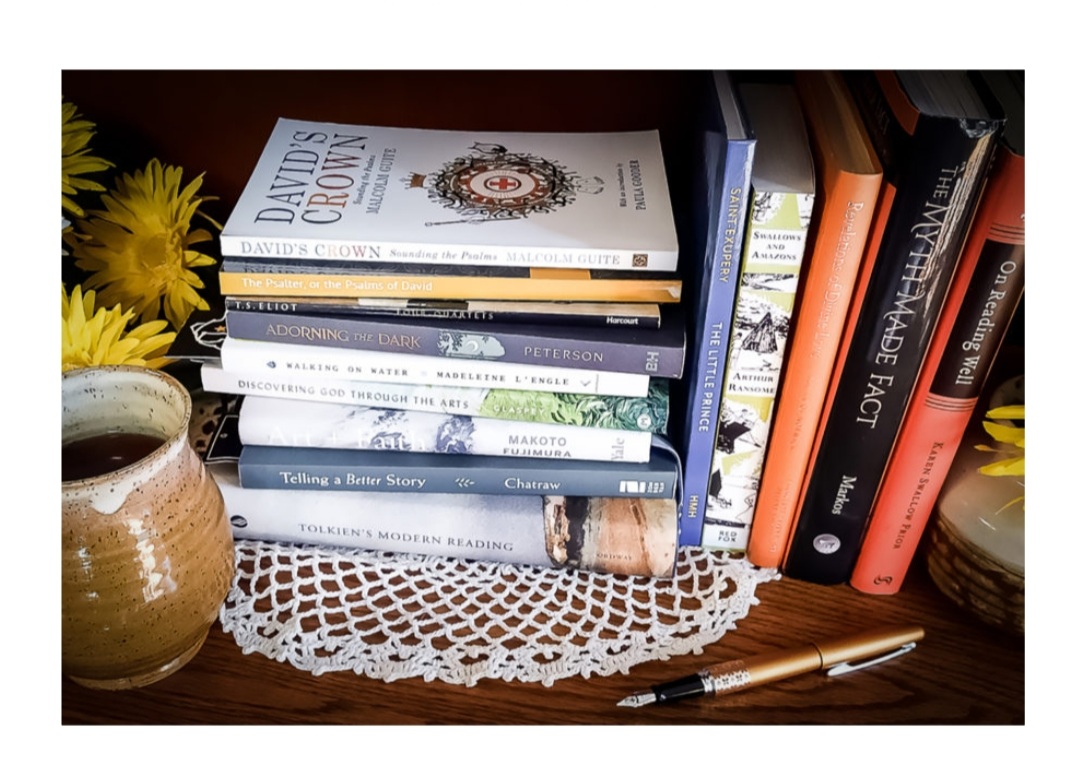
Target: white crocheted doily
391,616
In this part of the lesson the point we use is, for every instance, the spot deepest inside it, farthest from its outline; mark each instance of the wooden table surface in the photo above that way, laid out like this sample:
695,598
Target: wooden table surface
963,672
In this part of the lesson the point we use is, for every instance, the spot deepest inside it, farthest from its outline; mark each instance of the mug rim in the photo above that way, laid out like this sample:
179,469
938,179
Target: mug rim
163,378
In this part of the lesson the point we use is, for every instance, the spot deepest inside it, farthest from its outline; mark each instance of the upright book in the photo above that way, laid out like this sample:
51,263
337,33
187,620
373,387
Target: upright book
982,301
630,535
656,352
782,186
323,191
722,193
935,134
849,180
298,423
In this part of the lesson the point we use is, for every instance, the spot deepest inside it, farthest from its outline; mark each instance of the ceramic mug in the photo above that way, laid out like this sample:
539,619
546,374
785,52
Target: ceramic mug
147,552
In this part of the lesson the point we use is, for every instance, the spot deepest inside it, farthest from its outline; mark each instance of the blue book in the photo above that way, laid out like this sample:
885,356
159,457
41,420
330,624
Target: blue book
326,469
721,201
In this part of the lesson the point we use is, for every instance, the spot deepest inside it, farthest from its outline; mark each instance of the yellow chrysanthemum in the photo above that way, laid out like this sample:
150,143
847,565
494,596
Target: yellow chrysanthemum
92,337
76,160
1011,437
139,248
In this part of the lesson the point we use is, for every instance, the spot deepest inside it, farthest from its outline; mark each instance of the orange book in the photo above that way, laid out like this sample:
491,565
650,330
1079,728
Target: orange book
850,178
984,295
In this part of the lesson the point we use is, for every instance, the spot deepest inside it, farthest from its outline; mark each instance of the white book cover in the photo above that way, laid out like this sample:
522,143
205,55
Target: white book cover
338,192
299,423
257,356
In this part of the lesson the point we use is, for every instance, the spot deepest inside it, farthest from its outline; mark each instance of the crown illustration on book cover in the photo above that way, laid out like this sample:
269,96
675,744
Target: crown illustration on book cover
496,184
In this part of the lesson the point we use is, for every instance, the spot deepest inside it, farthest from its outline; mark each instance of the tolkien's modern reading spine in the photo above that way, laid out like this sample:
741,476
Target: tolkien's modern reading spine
294,422
622,535
775,246
239,277
984,296
259,357
647,414
720,213
320,469
938,173
598,314
849,180
657,352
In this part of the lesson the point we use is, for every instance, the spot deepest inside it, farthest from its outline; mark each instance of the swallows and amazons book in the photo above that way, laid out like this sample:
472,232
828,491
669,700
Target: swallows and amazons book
336,192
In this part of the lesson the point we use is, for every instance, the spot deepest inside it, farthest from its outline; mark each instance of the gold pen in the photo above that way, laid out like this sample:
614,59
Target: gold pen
838,656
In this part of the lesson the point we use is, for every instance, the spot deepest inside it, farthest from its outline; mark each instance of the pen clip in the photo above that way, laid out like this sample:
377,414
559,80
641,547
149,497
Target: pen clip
848,666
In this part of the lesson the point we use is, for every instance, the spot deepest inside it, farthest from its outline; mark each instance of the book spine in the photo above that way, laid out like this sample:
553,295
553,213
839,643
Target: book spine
715,307
649,414
424,254
984,296
290,422
565,286
255,356
614,315
939,180
772,263
659,356
627,535
849,205
332,470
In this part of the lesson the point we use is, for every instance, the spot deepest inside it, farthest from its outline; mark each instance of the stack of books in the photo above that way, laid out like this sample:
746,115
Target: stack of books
455,343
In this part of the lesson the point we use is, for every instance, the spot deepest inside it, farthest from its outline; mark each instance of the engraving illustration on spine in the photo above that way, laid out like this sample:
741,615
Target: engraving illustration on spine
495,184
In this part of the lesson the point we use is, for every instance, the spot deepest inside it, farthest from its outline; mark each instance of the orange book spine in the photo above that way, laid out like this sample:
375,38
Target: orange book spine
858,298
983,297
543,287
849,200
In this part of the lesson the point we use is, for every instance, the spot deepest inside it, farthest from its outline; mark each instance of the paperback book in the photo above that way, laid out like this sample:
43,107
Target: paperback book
324,469
269,277
656,352
782,186
719,214
646,414
629,535
935,136
298,423
260,357
645,315
324,191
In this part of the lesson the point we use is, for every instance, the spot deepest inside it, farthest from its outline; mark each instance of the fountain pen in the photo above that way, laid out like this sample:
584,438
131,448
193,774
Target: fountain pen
837,656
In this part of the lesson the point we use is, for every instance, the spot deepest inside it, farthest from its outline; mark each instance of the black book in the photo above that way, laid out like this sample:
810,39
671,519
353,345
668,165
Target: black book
935,133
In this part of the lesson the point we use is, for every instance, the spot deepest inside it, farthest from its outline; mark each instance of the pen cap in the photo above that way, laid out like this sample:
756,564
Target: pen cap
867,644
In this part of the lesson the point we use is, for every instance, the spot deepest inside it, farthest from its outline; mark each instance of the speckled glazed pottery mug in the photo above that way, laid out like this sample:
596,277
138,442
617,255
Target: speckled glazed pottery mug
147,553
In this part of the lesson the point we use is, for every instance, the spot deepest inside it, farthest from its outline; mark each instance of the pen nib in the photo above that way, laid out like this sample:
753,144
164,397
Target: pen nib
638,699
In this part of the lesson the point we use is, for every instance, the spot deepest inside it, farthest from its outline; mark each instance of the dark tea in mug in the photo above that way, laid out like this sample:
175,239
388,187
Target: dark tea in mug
104,453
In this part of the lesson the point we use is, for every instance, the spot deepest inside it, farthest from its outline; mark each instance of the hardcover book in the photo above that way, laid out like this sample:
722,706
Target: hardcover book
324,469
323,191
849,180
269,277
286,359
655,352
935,135
299,423
645,315
984,296
646,414
782,187
629,535
722,194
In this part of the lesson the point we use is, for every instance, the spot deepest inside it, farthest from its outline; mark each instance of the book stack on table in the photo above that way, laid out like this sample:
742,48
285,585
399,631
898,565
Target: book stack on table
455,343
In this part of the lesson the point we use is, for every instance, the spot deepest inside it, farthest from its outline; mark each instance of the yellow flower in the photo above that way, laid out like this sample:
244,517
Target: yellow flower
75,160
91,337
1012,438
139,248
